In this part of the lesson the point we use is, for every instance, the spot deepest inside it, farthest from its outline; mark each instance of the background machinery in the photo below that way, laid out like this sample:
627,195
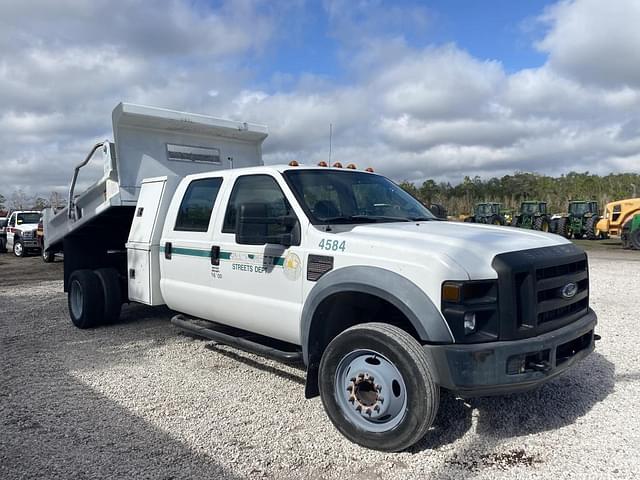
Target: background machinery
532,215
487,212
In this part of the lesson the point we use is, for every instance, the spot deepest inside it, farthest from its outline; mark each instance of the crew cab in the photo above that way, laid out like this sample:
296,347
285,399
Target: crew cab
337,268
21,232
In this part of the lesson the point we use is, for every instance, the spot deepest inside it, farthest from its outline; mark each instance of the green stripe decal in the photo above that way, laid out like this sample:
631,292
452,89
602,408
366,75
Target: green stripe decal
196,252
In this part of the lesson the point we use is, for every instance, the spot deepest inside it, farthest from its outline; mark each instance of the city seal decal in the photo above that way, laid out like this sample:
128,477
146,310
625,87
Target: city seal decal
292,266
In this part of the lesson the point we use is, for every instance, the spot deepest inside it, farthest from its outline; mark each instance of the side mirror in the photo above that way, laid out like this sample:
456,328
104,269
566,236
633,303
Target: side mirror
252,226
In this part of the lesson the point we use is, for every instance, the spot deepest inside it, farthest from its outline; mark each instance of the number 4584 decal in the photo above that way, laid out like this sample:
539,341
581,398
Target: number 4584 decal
332,245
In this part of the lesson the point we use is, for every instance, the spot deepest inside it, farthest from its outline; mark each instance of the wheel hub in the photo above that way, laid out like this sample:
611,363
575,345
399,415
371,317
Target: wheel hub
370,390
364,394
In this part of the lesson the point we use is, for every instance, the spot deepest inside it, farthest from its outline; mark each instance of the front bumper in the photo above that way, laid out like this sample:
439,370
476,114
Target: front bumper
30,243
492,368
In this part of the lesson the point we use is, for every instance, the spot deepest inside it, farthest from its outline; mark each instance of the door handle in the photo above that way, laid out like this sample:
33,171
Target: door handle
167,250
215,255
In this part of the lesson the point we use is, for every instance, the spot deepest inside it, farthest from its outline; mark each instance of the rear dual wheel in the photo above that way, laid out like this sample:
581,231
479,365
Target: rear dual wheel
94,297
377,388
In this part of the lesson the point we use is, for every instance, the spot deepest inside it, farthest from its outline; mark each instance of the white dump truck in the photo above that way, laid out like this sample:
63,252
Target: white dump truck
338,268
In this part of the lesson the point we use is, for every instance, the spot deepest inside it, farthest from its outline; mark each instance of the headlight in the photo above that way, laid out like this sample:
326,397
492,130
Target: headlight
471,310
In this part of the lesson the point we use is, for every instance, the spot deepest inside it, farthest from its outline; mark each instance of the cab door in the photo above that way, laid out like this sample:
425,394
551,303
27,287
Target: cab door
11,227
186,247
259,287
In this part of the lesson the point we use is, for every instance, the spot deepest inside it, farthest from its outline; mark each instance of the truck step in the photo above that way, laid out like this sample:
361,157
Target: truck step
241,341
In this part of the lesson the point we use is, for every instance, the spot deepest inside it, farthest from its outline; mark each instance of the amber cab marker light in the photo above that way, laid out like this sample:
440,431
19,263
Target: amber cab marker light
451,292
294,163
352,166
337,165
322,164
369,169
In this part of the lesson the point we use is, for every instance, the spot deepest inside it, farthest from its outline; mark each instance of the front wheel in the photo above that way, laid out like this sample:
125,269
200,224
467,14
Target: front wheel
48,257
18,249
377,387
541,224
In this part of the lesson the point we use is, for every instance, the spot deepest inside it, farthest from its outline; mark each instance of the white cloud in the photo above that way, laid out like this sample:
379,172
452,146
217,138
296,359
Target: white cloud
594,41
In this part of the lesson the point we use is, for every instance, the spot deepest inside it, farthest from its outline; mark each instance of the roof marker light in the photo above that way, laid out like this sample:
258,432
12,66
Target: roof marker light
322,164
369,169
337,165
294,163
352,166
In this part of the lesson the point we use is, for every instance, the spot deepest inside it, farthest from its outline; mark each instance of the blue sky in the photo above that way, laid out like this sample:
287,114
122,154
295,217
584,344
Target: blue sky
503,30
439,89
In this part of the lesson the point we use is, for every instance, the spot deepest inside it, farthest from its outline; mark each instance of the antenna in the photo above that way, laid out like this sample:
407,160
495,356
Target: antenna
330,135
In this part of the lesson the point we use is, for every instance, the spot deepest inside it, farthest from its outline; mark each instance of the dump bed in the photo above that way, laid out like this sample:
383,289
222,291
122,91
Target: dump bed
150,142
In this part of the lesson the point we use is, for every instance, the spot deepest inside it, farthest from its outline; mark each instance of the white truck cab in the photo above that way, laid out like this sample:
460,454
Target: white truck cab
21,232
341,269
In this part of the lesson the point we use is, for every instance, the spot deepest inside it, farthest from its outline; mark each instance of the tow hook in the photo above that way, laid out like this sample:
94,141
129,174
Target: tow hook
539,366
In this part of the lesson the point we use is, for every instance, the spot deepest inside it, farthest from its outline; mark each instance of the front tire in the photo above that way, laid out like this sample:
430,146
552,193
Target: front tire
85,299
18,249
593,232
377,388
48,257
541,224
563,228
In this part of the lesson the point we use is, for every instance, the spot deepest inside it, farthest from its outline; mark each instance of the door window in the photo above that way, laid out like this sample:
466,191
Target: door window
197,204
262,189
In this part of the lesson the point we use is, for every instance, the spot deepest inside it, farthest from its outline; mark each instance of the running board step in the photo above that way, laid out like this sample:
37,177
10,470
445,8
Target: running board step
189,325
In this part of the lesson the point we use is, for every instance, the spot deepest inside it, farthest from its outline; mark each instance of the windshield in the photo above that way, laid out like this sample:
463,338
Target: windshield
335,196
25,218
529,208
487,208
579,208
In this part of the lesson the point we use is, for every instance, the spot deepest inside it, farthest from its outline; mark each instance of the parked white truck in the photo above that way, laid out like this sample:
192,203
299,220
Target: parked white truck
21,232
339,268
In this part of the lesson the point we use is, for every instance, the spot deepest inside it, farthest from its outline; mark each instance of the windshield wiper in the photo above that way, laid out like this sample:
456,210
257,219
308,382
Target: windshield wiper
422,219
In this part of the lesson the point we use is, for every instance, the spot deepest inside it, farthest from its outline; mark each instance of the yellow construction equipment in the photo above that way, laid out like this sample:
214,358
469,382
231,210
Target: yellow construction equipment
616,214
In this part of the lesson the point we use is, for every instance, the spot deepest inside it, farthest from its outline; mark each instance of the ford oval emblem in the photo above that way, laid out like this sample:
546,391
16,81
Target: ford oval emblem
569,290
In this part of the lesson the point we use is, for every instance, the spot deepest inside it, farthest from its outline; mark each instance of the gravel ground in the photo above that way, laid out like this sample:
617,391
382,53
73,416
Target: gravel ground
141,400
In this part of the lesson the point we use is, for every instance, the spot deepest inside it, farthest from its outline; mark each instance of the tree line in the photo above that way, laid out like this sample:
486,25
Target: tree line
19,200
510,190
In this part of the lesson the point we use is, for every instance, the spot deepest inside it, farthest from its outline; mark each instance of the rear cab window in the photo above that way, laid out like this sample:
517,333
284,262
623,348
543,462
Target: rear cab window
194,213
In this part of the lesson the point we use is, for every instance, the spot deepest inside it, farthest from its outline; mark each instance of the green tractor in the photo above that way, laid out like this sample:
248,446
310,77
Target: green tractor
581,221
532,215
487,212
631,233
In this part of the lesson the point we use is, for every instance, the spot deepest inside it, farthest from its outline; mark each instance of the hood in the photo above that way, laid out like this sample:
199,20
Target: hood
26,227
471,246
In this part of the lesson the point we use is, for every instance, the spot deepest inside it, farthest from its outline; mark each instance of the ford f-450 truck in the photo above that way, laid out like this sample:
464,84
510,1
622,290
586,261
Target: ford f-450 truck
21,232
337,267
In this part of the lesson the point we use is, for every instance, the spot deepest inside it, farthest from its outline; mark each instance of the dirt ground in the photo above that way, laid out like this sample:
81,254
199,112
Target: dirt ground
140,400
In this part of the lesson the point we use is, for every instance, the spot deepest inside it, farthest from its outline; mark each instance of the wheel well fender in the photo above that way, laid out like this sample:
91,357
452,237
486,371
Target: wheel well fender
419,313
